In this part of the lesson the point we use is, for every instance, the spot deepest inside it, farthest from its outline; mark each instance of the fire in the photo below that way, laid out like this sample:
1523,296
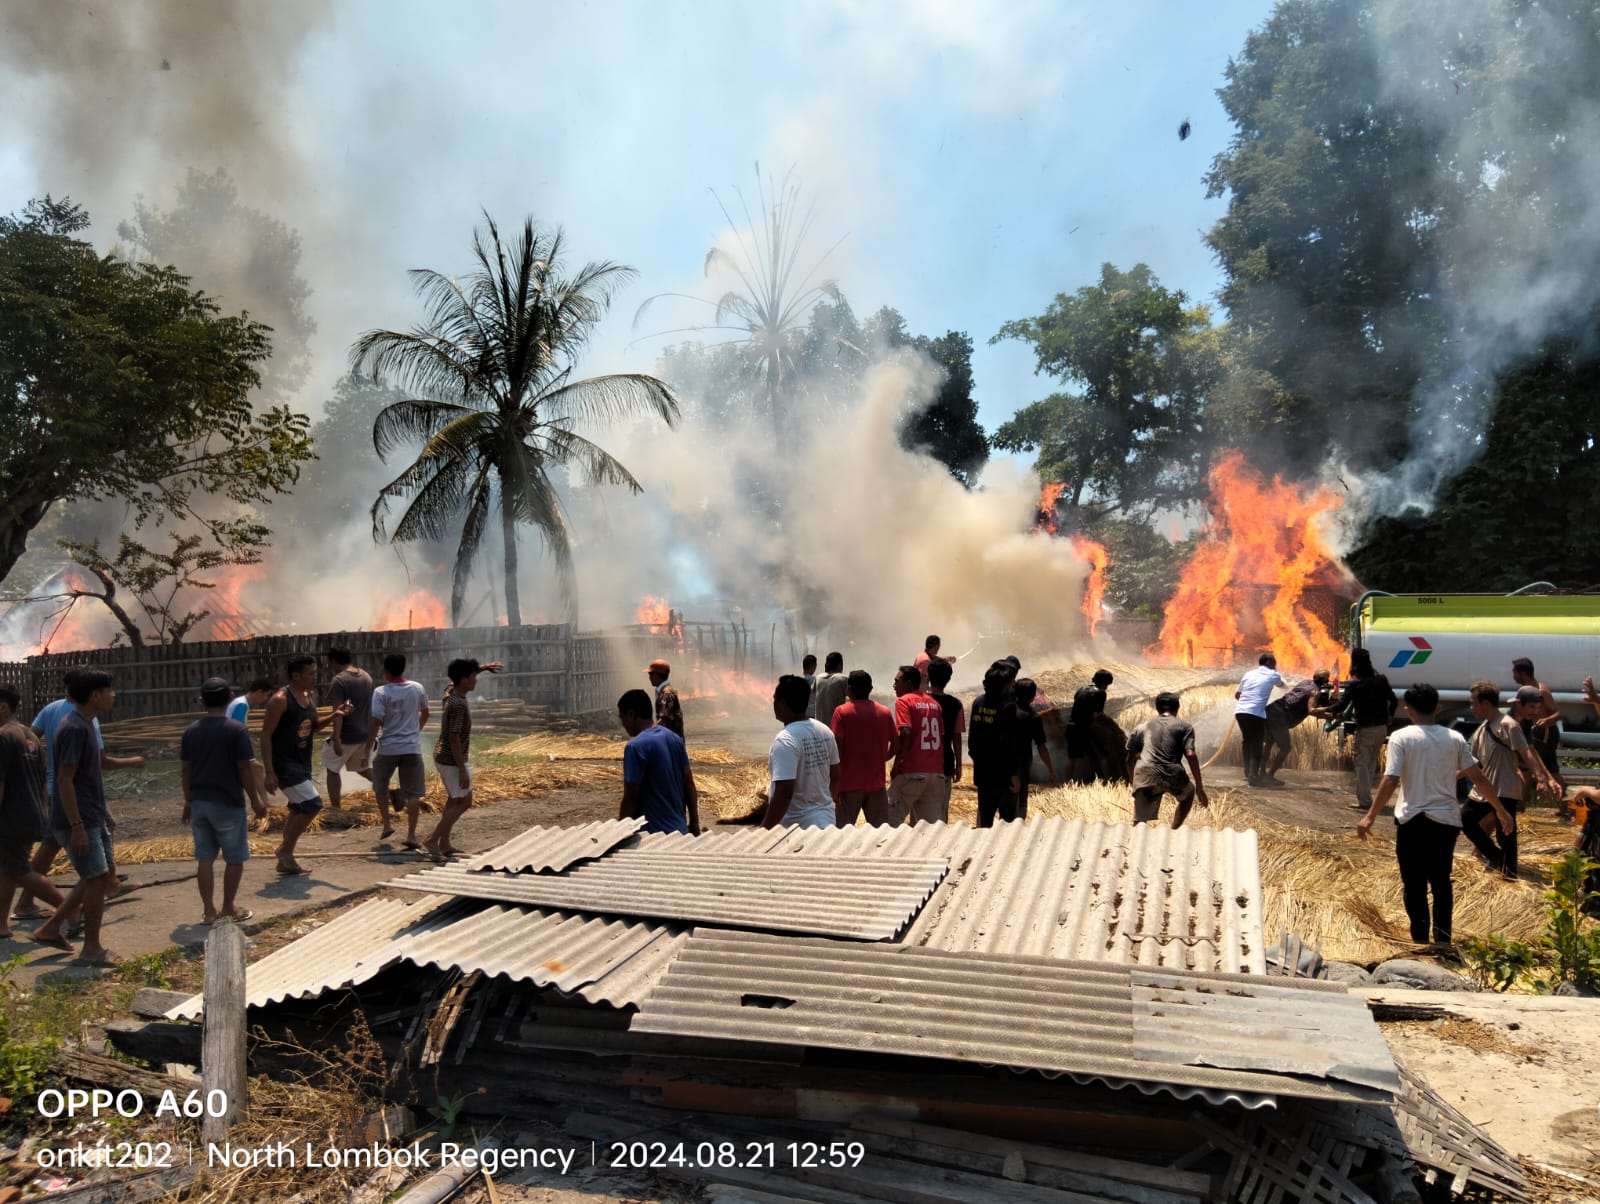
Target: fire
1094,590
726,683
231,618
419,608
1244,588
1048,497
653,612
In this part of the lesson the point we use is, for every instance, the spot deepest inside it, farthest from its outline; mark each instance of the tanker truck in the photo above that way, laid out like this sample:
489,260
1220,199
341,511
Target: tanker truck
1453,640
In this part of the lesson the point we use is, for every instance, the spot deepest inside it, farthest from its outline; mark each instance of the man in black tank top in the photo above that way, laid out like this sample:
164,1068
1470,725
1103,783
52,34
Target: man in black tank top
286,732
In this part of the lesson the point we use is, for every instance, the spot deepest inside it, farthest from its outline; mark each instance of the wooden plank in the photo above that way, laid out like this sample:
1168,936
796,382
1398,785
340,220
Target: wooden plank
118,1076
153,1003
222,1057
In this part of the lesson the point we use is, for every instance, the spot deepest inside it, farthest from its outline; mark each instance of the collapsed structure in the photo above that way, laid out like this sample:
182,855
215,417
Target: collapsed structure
1049,1011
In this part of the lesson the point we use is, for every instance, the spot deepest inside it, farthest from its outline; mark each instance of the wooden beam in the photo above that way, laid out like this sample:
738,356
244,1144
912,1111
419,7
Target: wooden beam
222,1043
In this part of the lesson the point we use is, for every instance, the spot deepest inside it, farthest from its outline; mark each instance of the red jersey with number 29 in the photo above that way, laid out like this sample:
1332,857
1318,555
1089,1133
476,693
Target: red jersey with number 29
925,717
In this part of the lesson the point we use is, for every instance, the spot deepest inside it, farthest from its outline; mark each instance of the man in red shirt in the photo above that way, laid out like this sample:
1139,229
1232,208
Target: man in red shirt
865,733
915,785
928,655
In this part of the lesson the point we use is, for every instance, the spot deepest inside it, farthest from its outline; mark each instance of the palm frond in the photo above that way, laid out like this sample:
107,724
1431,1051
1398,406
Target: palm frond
436,489
419,362
606,398
472,528
405,422
599,466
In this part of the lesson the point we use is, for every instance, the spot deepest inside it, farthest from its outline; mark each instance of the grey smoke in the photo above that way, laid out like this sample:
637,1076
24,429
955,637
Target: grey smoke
1510,90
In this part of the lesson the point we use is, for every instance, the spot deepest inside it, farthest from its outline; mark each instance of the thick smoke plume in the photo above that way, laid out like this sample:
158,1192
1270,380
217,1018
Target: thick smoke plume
873,546
1508,90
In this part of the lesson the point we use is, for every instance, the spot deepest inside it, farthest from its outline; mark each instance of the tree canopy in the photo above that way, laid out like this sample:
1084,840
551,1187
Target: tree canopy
1140,361
492,400
117,380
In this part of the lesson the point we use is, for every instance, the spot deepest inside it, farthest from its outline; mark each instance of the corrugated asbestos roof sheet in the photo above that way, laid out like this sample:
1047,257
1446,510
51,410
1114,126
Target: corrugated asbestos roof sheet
540,849
867,898
603,961
1075,1018
1147,894
346,951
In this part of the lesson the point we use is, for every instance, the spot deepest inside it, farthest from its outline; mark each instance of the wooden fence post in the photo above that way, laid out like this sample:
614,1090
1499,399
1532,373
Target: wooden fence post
222,1056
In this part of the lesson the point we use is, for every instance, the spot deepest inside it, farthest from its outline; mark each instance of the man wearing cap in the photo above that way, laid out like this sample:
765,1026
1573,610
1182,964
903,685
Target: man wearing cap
218,773
669,711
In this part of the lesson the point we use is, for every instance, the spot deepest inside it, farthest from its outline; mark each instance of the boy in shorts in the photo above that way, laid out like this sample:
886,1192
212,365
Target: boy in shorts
286,730
450,753
218,772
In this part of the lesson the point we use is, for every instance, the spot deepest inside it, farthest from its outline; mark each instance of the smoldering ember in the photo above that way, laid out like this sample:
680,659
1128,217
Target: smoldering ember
907,602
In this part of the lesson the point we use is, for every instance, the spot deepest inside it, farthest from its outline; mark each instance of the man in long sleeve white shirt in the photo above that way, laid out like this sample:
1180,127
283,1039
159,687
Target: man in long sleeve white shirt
1251,713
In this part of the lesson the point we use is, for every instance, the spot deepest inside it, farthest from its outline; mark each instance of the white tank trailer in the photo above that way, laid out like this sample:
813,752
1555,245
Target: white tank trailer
1453,640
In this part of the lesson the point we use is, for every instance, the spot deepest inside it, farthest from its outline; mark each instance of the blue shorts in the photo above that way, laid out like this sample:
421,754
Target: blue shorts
219,828
97,861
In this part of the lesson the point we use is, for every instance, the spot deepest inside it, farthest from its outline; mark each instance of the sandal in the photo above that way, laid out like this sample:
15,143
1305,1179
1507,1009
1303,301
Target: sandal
290,871
104,960
57,942
412,845
33,913
238,916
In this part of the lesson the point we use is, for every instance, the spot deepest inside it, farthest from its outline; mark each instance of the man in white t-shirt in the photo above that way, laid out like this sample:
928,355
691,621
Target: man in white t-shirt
399,713
1424,762
1251,715
804,762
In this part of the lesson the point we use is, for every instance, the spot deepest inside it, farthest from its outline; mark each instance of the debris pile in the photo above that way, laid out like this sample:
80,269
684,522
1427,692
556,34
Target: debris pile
1052,1011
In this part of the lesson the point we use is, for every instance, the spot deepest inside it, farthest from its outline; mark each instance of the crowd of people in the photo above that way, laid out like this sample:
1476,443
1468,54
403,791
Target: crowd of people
839,756
53,797
1470,777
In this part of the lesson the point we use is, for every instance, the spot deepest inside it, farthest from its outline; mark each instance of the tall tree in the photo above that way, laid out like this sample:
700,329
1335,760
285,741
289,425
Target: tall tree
119,381
1140,361
776,289
249,260
494,405
946,426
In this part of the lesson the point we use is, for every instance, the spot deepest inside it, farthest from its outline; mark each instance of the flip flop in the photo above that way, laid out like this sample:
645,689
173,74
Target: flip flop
205,923
105,961
238,917
60,942
412,845
33,913
385,834
291,871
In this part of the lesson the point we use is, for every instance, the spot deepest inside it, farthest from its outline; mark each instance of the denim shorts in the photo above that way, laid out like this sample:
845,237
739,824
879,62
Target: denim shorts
219,828
97,861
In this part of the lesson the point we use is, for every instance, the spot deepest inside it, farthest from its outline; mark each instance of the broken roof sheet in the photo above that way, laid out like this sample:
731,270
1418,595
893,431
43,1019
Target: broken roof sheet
867,898
1146,894
346,951
540,849
614,962
1074,1018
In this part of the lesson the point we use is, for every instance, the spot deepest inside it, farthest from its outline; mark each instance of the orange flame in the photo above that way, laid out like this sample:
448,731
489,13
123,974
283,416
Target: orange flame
1244,587
419,608
1094,590
726,683
653,611
1049,495
231,617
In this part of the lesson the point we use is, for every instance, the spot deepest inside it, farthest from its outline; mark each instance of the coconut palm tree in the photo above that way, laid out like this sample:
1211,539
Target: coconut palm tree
494,403
775,292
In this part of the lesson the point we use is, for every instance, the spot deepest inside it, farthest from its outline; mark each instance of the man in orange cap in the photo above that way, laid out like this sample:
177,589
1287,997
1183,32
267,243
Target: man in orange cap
669,712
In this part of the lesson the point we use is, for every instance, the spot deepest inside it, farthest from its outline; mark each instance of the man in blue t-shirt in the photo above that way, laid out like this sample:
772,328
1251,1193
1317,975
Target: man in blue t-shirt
657,782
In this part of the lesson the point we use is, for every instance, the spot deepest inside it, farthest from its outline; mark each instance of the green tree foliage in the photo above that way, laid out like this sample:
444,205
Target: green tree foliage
492,401
1410,273
1139,361
947,427
1522,512
243,256
119,381
1326,247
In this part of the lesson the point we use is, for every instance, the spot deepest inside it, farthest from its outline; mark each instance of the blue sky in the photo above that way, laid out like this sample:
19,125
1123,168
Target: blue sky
976,157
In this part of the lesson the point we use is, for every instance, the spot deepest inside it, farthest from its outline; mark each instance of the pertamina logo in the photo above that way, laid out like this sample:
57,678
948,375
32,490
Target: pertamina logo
1420,651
